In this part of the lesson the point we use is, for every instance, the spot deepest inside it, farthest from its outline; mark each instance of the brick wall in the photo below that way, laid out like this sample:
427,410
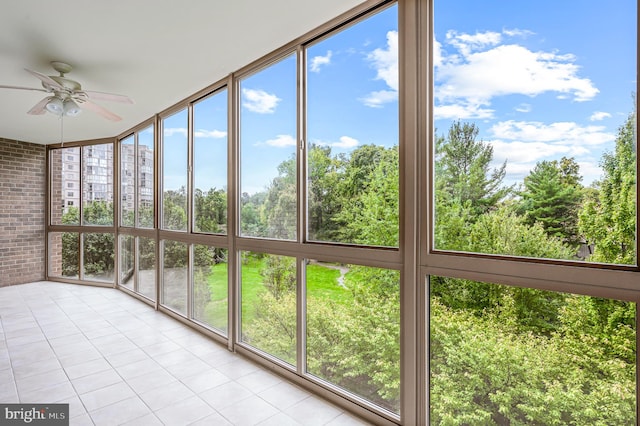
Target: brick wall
22,212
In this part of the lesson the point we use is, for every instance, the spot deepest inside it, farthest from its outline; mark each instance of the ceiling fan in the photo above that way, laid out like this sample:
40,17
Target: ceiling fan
67,97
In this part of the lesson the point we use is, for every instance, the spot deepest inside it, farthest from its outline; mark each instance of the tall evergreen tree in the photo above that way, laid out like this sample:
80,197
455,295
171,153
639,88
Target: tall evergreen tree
464,169
551,196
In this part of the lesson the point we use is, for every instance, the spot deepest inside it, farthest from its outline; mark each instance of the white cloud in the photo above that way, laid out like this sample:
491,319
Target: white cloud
215,134
379,98
599,115
520,152
564,133
523,107
259,101
461,111
385,62
280,141
466,43
170,131
472,69
344,142
524,143
516,32
319,61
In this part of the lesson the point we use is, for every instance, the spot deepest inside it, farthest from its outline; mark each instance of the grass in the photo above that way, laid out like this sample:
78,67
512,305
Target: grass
322,283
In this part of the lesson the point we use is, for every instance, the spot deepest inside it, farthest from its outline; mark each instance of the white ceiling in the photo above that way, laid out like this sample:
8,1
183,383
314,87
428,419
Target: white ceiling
156,52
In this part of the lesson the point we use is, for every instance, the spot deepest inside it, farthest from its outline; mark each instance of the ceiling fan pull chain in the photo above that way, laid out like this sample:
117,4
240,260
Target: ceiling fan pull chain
61,130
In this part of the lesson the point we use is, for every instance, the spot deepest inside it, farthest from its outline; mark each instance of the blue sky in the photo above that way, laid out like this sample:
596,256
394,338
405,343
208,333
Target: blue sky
540,79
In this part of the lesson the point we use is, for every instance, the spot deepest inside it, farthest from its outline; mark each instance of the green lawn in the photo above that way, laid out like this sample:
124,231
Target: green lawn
322,283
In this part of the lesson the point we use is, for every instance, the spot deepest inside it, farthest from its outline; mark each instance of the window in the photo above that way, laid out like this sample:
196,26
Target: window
127,180
97,206
210,164
511,355
174,154
147,267
353,329
64,255
210,287
175,275
98,256
535,130
352,134
268,300
268,146
137,179
146,173
59,202
127,261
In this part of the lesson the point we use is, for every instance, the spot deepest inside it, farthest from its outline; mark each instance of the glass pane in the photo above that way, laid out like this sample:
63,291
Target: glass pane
127,181
98,256
65,186
268,295
210,283
97,182
63,254
352,132
127,261
268,152
507,355
146,178
175,276
535,129
210,164
174,153
353,330
147,267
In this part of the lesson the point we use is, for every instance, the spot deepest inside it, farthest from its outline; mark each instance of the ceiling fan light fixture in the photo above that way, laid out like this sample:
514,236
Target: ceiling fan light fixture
55,105
70,108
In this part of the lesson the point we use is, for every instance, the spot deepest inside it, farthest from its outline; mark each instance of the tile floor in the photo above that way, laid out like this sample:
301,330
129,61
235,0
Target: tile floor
117,361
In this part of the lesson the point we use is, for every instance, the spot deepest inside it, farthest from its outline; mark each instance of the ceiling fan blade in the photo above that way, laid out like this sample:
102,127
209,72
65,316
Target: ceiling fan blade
46,79
2,86
39,108
87,104
112,97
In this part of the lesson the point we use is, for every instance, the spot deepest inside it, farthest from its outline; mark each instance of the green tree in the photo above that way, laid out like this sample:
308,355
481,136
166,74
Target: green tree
280,204
464,172
251,220
552,196
325,199
279,275
355,342
608,220
485,372
174,204
372,214
210,210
